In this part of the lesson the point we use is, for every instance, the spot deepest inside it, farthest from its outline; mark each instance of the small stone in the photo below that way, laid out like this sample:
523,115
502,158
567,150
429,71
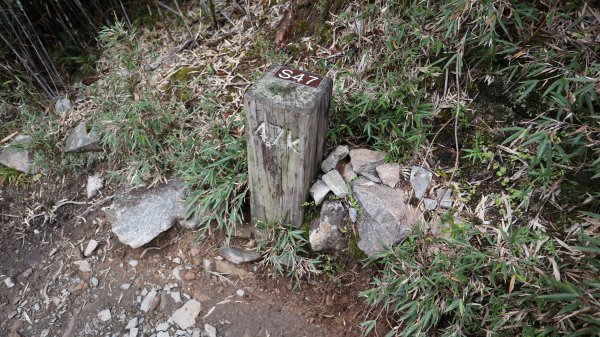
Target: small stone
133,323
163,334
209,265
91,247
420,179
15,155
238,255
44,332
125,286
94,282
325,232
163,326
12,314
133,332
37,307
9,282
148,299
176,260
104,315
240,293
26,273
189,276
176,296
154,304
364,160
185,317
389,174
210,330
229,268
348,173
84,266
63,105
336,183
371,176
352,214
244,231
81,141
429,203
176,272
318,191
445,197
133,263
334,157
94,185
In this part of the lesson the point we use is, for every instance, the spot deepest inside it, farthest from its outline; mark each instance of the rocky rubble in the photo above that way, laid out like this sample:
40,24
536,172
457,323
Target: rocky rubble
369,196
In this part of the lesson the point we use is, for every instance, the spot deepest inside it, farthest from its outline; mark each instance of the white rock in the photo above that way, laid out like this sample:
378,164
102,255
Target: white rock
163,334
177,260
177,272
84,266
176,296
145,306
133,332
132,323
163,326
44,332
94,282
91,247
420,179
104,315
94,185
210,330
240,293
318,191
336,183
125,286
9,282
133,263
429,203
185,317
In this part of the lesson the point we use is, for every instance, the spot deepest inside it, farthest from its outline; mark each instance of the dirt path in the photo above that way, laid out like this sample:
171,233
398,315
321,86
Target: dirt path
54,295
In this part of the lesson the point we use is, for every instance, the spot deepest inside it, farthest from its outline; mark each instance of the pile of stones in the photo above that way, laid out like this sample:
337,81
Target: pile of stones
367,195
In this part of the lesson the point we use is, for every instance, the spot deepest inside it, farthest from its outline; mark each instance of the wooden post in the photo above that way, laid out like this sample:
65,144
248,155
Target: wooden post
287,115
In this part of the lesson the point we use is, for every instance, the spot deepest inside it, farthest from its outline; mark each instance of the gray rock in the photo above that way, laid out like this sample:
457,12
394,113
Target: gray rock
352,214
334,157
364,160
163,326
94,282
348,172
147,301
84,266
209,265
336,183
15,155
9,282
429,203
91,247
318,191
81,141
445,197
63,105
104,315
185,317
133,323
371,176
125,286
385,218
163,334
210,330
240,293
238,255
420,179
389,174
94,185
176,296
133,332
139,216
244,231
325,232
44,332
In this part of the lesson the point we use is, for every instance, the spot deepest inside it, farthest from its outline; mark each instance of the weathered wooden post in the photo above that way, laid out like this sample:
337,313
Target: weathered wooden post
287,114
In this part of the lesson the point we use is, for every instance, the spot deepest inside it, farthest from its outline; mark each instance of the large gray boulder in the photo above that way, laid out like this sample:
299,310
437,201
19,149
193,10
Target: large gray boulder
140,215
15,155
325,232
81,141
384,219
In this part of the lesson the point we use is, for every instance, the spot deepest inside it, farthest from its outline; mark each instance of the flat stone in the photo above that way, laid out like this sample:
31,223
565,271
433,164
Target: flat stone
208,265
94,282
445,197
336,183
420,179
325,232
147,301
371,176
348,173
176,296
389,174
133,332
225,267
84,266
94,185
185,317
238,255
104,315
352,214
139,216
210,330
334,157
91,247
364,160
163,326
163,334
125,286
429,204
132,323
63,105
15,155
81,141
9,282
318,191
385,219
